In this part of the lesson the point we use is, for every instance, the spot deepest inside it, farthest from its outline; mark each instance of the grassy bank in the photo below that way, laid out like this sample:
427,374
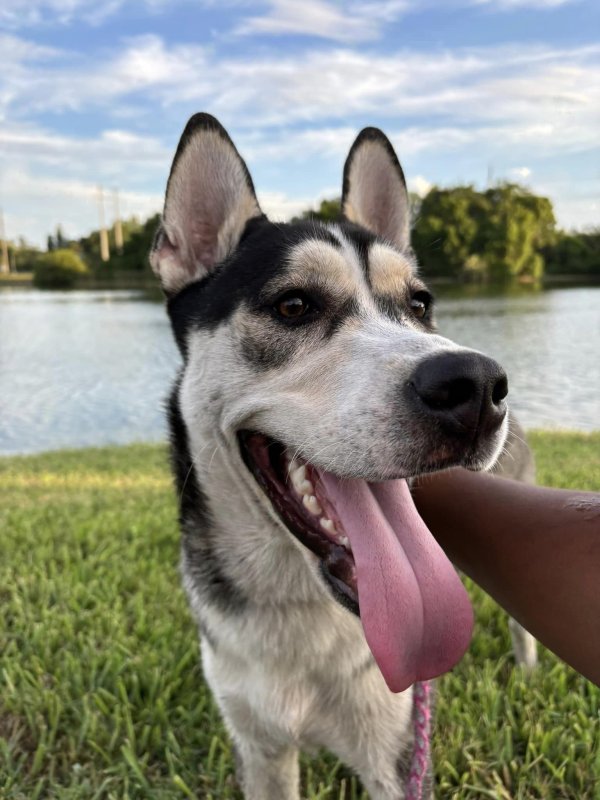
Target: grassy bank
16,279
101,695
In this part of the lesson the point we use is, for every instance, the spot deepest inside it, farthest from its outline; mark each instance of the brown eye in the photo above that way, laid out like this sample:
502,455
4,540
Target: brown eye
293,305
419,304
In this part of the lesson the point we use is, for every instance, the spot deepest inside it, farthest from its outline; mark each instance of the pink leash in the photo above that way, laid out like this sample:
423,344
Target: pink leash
420,757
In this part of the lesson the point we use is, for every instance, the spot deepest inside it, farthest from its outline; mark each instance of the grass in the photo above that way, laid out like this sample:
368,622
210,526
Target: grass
15,278
101,695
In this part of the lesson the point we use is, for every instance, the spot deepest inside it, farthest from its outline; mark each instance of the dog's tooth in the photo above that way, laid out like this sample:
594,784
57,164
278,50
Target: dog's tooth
344,541
293,465
328,525
311,503
306,488
298,477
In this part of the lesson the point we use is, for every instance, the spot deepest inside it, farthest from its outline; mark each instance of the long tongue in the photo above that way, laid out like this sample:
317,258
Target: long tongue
414,610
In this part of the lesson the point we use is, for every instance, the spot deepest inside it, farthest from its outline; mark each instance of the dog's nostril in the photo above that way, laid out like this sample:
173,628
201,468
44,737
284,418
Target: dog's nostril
500,390
447,394
460,391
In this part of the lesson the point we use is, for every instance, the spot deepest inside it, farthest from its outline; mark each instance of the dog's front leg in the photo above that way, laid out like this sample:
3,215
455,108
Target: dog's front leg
266,773
267,764
266,760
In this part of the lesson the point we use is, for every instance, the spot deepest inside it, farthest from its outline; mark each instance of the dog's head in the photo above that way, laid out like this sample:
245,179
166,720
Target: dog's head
310,354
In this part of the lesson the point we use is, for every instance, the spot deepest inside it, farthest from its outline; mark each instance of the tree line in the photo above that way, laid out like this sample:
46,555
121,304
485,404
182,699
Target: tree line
500,234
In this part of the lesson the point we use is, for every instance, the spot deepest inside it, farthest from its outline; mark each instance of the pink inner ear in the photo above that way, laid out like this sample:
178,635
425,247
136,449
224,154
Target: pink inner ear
203,239
382,201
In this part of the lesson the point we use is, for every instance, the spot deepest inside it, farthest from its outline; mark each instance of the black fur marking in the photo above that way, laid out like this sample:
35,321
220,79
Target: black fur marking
359,671
391,305
269,351
273,346
195,521
403,764
398,309
362,239
261,256
349,309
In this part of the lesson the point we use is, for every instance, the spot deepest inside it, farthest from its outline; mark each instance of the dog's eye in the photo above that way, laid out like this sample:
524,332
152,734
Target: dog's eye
420,303
293,305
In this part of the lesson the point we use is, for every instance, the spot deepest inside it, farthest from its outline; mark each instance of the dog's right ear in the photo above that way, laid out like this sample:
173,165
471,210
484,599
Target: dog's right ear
210,198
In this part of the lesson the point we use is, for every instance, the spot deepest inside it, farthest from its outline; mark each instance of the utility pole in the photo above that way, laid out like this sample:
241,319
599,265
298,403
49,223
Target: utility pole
118,226
104,249
4,262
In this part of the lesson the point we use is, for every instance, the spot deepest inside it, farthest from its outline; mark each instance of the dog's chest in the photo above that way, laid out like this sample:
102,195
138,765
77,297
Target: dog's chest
293,675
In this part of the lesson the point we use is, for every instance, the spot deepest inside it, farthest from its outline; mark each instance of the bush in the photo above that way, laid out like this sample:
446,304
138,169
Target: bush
59,269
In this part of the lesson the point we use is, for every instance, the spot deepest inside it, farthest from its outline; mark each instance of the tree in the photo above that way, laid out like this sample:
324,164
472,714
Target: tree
59,269
574,254
447,231
517,226
328,211
495,235
60,240
137,241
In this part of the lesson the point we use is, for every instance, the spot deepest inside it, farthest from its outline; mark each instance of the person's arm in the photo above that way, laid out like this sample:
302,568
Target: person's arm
535,550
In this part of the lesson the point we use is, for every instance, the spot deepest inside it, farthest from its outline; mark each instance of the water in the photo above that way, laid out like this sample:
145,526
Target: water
82,368
94,368
549,344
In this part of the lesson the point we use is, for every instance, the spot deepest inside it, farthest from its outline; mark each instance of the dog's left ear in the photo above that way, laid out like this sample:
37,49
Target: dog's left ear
374,192
210,198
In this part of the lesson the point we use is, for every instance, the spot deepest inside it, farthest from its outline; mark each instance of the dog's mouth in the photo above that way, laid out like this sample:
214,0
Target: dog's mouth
298,496
376,554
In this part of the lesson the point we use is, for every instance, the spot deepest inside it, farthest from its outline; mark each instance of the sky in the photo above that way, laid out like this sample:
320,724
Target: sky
469,91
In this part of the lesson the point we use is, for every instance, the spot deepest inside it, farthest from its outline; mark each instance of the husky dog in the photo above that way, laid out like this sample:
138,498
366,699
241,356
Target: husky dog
313,387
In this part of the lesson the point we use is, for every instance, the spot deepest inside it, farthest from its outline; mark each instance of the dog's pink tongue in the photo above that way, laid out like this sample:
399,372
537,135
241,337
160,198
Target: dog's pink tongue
415,612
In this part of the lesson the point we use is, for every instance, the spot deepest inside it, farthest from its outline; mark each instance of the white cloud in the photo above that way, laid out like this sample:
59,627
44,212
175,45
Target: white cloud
520,173
553,93
26,13
19,14
419,185
73,82
279,207
349,23
118,147
509,5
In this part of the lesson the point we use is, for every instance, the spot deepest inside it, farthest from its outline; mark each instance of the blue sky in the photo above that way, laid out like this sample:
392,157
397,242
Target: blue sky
98,93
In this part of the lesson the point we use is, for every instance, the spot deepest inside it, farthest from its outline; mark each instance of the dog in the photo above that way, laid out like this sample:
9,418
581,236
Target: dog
313,387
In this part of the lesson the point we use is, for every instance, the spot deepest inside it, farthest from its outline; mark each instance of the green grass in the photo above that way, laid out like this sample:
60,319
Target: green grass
101,694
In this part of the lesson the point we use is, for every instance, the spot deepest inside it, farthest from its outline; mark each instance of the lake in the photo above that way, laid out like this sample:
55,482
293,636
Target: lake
85,368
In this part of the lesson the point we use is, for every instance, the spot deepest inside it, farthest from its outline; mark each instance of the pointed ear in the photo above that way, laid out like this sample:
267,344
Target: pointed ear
374,192
210,198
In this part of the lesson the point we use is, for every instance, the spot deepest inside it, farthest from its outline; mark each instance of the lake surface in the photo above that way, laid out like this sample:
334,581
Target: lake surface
94,367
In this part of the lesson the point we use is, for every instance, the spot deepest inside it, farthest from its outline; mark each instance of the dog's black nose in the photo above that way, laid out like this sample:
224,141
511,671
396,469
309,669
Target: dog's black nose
463,392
